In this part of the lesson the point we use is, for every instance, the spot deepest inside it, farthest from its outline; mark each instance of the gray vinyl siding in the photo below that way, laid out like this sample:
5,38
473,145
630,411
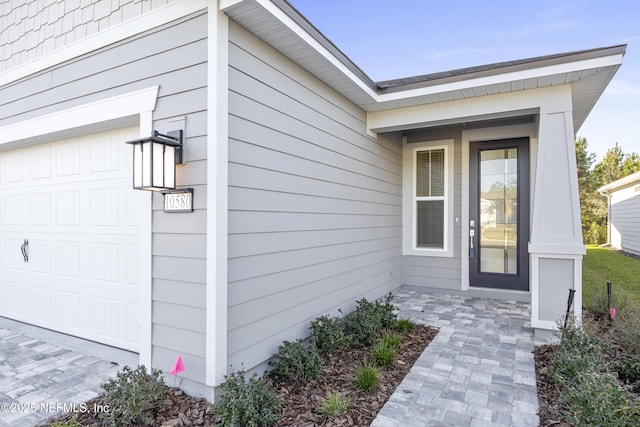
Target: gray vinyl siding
625,217
440,272
314,203
173,57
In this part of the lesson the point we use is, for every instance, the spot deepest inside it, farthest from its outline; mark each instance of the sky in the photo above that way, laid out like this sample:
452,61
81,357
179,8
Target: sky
390,39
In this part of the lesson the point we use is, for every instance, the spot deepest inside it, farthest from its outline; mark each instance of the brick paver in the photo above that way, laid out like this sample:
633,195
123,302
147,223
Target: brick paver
478,371
39,379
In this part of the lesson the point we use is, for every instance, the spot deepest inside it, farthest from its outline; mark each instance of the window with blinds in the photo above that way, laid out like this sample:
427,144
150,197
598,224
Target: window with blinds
430,194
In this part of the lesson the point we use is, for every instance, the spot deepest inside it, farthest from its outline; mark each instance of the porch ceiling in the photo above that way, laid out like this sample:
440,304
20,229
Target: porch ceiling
280,25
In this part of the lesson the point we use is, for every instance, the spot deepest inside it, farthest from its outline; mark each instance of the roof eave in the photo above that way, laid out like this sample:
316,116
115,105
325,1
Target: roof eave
276,20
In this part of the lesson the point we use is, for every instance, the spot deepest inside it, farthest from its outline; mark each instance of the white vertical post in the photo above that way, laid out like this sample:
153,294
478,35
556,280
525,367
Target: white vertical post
217,181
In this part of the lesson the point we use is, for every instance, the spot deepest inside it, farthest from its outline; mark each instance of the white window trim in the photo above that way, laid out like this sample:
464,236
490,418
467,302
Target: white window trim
409,246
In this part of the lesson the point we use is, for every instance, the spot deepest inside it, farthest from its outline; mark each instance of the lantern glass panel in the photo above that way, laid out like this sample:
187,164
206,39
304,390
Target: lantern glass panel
157,166
169,166
146,168
137,165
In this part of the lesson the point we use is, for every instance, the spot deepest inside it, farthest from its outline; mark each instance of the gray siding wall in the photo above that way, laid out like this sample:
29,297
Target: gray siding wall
625,217
173,57
29,29
314,203
440,272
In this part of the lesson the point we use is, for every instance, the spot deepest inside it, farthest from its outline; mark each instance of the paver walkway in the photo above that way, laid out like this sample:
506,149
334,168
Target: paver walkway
39,379
478,371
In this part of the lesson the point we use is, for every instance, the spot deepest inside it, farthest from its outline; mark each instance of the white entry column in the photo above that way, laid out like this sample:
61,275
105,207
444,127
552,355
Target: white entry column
556,246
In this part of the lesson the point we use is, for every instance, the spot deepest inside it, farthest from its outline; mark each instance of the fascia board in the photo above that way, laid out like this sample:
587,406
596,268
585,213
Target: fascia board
547,100
620,183
119,32
587,64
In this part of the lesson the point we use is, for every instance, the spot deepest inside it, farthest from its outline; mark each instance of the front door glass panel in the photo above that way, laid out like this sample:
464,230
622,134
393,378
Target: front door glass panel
499,211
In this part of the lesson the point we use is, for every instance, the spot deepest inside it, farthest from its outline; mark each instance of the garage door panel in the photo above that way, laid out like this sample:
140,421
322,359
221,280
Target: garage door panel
40,209
104,206
104,262
40,253
11,167
68,311
12,258
74,201
42,303
67,208
12,209
40,162
12,297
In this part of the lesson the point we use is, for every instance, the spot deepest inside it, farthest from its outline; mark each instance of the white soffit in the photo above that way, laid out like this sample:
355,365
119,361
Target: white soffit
280,25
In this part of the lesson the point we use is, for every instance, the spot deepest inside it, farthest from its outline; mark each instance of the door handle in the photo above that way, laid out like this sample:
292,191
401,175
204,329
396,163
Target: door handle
472,249
25,250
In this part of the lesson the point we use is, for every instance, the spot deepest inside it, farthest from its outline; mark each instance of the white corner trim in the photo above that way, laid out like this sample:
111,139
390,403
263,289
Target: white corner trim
217,195
146,263
126,105
122,31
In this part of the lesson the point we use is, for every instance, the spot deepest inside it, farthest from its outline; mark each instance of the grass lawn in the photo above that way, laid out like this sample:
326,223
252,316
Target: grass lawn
602,265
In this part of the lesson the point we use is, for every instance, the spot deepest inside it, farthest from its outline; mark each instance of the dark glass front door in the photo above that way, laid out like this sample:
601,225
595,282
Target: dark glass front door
499,214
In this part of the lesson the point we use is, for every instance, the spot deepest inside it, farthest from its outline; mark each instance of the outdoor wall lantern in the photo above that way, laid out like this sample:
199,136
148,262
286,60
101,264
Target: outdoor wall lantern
154,160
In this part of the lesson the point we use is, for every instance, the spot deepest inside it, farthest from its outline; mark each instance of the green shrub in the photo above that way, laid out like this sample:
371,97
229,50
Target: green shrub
335,403
626,331
597,399
327,333
368,319
298,361
367,376
628,368
404,325
132,397
590,394
383,353
247,403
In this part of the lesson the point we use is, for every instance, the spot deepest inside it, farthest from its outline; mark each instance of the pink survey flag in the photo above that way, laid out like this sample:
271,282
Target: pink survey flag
178,366
612,313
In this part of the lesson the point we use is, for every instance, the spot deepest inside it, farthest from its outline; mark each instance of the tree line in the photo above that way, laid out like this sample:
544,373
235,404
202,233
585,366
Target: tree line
591,176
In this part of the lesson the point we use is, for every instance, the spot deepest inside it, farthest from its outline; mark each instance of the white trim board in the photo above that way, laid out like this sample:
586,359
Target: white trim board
217,195
89,117
139,24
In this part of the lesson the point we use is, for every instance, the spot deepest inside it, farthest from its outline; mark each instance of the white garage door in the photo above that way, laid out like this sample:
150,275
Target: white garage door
72,200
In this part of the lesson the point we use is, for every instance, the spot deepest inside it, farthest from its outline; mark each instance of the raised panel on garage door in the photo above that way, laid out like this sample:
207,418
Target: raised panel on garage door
72,200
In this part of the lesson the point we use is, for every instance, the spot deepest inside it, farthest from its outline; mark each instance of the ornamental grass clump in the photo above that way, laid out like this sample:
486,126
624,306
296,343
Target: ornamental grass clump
367,377
334,403
383,353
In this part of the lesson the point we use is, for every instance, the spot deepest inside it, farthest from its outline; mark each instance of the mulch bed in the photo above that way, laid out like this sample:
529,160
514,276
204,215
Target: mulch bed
301,400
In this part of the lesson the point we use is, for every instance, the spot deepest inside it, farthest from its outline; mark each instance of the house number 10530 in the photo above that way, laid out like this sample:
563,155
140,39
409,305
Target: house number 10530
178,201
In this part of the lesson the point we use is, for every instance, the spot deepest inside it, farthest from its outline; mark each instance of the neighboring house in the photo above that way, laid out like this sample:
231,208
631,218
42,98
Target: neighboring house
623,217
313,185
